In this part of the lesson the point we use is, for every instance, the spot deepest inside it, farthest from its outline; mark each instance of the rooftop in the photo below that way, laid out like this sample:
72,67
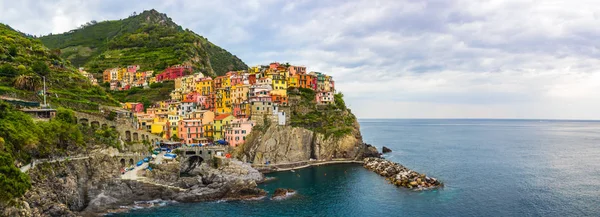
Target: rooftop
222,116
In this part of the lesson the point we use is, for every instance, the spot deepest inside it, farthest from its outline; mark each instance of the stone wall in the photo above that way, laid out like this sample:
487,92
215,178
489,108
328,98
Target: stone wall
127,132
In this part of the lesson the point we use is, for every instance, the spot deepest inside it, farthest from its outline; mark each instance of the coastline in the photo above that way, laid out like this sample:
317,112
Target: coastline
301,164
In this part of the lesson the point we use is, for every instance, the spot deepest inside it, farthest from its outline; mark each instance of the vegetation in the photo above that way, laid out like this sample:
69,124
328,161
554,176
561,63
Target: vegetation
146,96
24,62
150,39
13,183
332,120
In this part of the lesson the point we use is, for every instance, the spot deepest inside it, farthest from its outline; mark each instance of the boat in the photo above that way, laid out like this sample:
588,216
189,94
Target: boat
293,171
139,163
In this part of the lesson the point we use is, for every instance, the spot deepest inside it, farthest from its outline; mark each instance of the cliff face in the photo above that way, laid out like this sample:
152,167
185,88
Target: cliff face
93,186
286,144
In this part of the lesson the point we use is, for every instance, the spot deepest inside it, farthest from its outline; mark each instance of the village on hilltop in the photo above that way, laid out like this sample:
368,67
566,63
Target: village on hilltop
223,109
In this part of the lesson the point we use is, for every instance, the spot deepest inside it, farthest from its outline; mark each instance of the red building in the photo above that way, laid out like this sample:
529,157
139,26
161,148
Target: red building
174,72
252,79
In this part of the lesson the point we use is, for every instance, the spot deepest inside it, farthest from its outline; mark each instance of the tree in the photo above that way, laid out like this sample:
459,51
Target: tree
27,82
175,137
12,50
40,68
8,70
13,183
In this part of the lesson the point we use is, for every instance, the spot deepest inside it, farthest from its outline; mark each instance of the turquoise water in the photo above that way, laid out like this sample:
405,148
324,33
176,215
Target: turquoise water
490,168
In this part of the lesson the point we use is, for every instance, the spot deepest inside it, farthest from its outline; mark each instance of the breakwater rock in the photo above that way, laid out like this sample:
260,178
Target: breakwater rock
282,193
400,175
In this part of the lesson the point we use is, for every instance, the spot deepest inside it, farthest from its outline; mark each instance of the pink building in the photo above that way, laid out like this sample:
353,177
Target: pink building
297,70
189,129
133,68
274,65
194,97
137,107
237,131
237,79
324,98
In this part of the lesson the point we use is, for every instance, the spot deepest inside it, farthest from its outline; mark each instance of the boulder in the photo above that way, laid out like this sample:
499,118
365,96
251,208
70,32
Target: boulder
282,193
386,150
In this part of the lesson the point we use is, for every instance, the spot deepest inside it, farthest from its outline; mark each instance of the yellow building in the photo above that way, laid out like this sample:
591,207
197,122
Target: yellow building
121,74
220,123
279,85
226,82
239,93
173,123
293,81
208,130
205,86
158,127
223,101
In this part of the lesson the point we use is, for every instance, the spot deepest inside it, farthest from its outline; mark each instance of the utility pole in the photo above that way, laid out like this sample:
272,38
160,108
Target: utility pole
45,105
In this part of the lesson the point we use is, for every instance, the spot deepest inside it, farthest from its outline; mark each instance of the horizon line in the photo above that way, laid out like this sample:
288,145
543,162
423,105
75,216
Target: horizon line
525,119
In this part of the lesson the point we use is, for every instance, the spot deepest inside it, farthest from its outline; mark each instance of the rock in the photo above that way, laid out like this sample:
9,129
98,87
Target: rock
287,144
282,193
386,150
400,175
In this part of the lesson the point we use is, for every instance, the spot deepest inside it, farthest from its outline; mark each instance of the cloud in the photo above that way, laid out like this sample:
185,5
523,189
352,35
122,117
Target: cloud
393,58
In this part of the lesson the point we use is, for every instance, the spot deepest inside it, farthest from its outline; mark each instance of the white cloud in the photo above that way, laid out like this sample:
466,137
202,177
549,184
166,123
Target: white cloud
393,58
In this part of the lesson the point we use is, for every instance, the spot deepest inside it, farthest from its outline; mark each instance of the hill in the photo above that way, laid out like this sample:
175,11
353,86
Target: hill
24,61
149,39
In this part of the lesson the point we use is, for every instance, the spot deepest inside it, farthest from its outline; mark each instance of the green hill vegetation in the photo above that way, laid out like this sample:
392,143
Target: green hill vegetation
24,61
157,92
22,139
149,39
330,120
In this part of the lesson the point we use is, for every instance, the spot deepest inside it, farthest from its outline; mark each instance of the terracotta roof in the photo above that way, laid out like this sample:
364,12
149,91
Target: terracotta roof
221,117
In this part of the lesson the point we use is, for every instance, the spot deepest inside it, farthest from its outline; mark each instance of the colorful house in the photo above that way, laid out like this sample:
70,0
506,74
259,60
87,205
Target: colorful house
221,121
306,81
324,98
134,107
190,130
205,86
293,81
223,101
237,131
174,72
297,70
261,108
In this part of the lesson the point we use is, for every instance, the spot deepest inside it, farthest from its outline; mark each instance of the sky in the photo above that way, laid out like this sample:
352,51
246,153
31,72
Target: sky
392,58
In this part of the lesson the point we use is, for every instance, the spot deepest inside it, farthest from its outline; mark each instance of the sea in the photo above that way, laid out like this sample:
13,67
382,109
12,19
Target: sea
489,167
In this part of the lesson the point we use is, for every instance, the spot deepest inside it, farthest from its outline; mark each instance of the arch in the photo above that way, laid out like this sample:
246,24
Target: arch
122,162
128,136
131,161
104,126
113,127
135,137
83,122
190,152
95,124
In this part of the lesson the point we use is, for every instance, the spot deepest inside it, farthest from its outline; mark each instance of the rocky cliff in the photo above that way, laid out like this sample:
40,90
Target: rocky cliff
93,186
287,144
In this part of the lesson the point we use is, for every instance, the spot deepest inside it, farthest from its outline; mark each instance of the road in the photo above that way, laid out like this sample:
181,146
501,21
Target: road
37,161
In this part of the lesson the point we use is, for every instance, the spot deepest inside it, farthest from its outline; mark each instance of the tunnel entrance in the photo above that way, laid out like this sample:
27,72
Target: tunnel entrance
122,162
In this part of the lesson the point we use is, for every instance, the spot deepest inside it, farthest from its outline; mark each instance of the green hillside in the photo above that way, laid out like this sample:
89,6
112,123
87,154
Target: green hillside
23,63
149,39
